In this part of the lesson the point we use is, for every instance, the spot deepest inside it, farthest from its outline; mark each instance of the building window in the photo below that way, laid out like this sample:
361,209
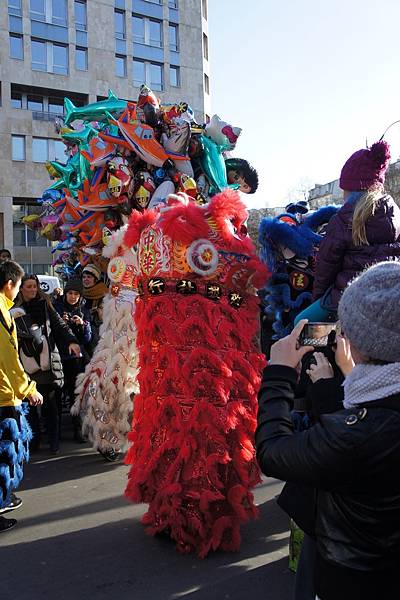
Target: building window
44,149
173,38
80,15
155,33
147,31
119,21
37,268
206,84
81,61
50,11
155,1
16,100
38,51
18,147
56,106
139,73
22,235
205,46
173,3
50,57
120,65
149,73
39,150
204,9
156,77
15,24
56,150
16,46
38,10
59,14
60,59
138,29
15,7
35,103
174,76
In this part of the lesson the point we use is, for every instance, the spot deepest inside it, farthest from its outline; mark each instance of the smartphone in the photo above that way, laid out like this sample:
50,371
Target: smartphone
318,335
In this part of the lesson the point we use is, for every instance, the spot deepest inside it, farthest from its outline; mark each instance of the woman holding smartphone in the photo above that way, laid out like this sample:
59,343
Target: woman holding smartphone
42,334
350,458
71,308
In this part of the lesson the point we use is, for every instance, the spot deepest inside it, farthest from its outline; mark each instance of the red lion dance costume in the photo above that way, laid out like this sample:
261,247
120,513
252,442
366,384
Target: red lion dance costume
197,317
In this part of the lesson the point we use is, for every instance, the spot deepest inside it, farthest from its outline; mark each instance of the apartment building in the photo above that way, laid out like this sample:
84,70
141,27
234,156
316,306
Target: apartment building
82,48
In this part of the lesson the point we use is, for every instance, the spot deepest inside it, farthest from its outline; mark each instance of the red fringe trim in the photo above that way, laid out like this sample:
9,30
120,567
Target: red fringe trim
192,440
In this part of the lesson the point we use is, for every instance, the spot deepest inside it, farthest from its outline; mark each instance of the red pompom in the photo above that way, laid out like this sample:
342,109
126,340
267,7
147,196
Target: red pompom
380,153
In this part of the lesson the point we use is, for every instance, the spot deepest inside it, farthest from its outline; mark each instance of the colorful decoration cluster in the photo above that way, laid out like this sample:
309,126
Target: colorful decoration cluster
123,156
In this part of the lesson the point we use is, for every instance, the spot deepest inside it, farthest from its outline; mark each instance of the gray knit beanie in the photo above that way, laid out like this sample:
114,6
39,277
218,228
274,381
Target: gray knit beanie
369,312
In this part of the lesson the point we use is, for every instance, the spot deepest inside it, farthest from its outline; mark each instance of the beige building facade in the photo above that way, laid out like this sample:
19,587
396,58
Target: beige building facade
82,48
325,194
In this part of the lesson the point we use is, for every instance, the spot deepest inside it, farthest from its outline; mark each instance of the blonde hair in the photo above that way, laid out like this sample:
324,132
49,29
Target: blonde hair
365,208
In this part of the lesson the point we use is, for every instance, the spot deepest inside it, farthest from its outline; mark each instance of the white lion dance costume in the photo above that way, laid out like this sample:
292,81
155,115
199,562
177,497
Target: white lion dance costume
192,441
106,388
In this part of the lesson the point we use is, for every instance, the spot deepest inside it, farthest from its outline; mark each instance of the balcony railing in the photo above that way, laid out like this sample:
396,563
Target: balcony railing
39,115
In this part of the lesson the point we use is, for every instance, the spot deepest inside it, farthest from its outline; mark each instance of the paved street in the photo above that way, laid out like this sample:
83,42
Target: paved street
78,538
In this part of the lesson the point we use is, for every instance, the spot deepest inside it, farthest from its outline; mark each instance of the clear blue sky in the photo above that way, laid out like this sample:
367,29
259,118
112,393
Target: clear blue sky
308,81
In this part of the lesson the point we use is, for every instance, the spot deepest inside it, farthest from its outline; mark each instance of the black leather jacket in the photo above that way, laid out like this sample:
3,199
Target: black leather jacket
352,457
57,333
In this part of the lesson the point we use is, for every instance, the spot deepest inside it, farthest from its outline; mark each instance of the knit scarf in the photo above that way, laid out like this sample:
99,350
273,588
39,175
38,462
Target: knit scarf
96,292
367,383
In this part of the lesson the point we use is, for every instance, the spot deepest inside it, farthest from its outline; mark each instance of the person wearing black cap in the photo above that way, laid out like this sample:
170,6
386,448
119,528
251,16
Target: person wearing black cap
71,307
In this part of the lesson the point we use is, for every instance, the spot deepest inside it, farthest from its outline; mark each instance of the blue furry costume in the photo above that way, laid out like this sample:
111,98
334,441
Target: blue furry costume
15,435
288,247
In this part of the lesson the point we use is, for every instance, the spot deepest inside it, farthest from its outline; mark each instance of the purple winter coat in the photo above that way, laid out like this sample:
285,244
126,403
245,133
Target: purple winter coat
339,260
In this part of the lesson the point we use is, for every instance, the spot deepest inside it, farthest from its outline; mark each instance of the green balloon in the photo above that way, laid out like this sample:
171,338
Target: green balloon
213,164
84,165
95,111
80,137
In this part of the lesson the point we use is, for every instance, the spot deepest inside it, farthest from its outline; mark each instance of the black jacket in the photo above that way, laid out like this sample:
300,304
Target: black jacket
57,333
298,500
352,457
83,333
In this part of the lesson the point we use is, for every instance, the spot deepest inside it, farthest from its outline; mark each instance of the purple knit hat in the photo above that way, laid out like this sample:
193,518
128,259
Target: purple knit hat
365,168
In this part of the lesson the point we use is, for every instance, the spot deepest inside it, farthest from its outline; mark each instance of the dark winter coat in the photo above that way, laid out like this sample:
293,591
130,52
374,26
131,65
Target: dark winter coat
83,333
339,260
56,332
323,397
352,458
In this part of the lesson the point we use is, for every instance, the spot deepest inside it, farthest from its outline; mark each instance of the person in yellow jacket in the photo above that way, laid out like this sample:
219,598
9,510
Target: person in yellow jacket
15,387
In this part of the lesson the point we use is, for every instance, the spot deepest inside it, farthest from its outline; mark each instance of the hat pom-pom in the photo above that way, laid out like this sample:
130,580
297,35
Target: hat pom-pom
380,153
